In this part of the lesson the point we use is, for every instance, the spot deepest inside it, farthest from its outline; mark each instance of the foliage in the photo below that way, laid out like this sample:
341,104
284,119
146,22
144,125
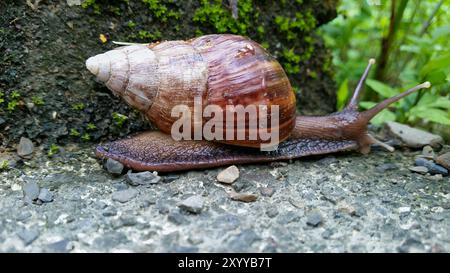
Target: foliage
410,47
119,119
52,150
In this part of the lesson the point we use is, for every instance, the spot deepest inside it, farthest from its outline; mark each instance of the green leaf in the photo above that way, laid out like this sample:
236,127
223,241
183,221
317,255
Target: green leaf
381,88
441,103
436,77
434,115
443,62
342,94
367,104
383,117
441,31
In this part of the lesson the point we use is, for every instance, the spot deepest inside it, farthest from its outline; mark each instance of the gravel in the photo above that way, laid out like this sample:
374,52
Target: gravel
114,167
142,178
344,206
124,196
193,204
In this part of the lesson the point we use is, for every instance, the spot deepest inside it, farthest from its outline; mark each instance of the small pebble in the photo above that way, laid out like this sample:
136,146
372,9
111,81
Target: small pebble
193,204
109,211
243,197
25,147
142,178
229,175
45,195
170,178
444,160
31,191
314,219
428,152
28,235
267,191
124,195
432,167
114,167
419,169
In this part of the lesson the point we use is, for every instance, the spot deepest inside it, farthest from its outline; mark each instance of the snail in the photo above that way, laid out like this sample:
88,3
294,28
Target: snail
222,70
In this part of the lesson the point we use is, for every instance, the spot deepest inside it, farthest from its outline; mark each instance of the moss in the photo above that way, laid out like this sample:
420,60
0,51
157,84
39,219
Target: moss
52,150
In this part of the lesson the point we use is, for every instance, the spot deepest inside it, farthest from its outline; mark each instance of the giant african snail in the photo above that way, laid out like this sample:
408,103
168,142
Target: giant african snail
221,70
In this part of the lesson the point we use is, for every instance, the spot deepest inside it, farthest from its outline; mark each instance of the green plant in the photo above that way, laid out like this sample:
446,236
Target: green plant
38,101
74,132
119,119
2,95
4,165
409,40
78,106
160,10
91,126
52,150
213,14
86,137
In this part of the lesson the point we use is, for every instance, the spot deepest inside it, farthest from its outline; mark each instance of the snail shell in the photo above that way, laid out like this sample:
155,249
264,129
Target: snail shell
221,69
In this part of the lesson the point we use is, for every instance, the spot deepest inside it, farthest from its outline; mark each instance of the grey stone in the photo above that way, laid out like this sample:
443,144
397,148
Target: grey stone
192,204
414,138
267,191
142,178
176,218
170,178
110,240
128,220
114,167
428,152
124,195
109,211
272,211
431,166
45,195
28,235
243,241
419,169
314,218
23,216
61,246
25,147
31,191
386,167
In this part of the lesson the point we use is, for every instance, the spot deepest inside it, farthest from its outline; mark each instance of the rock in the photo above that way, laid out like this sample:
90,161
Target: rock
128,220
444,160
419,169
412,137
170,178
314,219
176,218
193,204
109,211
28,235
73,2
404,210
229,175
267,191
142,178
23,216
386,167
25,147
272,211
114,167
31,191
428,152
61,246
242,241
431,166
45,195
244,197
124,195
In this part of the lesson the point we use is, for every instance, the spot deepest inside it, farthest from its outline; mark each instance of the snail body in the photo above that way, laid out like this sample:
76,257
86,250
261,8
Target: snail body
221,70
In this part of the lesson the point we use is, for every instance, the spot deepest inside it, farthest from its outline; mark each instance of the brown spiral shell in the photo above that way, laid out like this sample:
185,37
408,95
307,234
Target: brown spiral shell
221,69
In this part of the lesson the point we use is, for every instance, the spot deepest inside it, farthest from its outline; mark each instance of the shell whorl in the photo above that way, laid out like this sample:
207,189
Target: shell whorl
221,69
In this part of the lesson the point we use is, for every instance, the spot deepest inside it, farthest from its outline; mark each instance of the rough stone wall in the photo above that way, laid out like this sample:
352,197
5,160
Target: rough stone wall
46,93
